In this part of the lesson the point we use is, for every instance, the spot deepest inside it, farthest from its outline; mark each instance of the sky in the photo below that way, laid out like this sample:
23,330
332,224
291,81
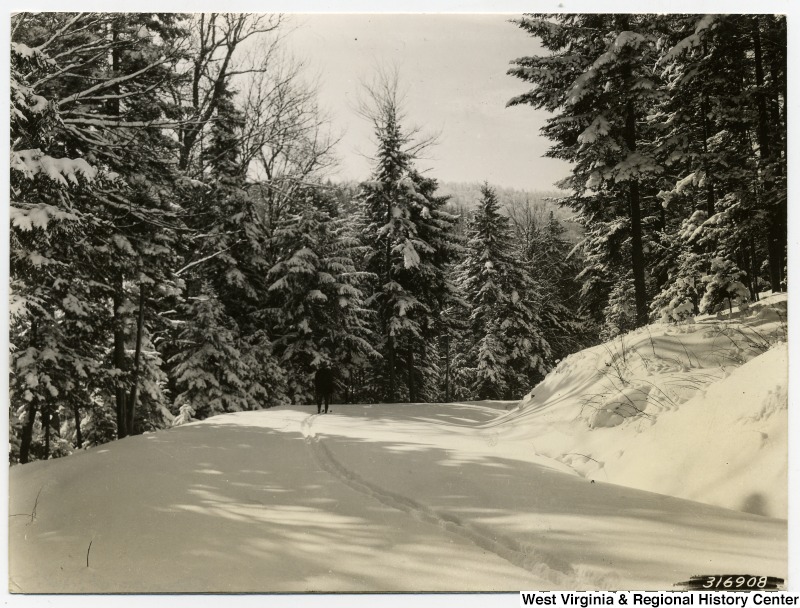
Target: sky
453,71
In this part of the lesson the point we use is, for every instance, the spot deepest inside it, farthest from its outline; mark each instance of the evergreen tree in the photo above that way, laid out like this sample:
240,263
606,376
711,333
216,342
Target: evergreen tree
317,302
723,285
227,260
712,142
600,82
507,353
214,373
77,70
680,298
547,256
408,243
714,120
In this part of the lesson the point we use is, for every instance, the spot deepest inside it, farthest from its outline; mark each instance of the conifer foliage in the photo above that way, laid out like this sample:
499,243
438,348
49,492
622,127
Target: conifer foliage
408,240
666,117
506,352
316,297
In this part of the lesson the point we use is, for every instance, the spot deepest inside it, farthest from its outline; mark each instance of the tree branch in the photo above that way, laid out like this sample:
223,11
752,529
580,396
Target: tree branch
110,83
205,259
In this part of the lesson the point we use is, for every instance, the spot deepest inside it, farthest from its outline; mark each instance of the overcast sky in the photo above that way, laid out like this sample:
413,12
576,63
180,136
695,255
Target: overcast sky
453,68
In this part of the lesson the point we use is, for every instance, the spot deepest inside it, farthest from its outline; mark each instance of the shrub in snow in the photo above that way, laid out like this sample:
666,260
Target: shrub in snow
723,285
185,415
620,312
679,300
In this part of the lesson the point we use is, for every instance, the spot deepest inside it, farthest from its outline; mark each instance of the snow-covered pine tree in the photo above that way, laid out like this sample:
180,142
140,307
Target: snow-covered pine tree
599,80
119,229
603,254
226,262
246,147
214,374
507,353
432,282
547,256
680,297
399,213
50,336
317,305
119,263
713,120
619,315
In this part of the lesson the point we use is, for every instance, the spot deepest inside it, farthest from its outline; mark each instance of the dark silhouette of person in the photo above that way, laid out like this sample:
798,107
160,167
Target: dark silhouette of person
323,387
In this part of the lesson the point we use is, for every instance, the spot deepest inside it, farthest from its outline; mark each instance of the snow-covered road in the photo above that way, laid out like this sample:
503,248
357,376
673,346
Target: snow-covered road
368,498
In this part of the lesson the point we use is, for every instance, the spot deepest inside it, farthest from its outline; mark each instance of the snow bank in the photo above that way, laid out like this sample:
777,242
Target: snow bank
697,411
726,446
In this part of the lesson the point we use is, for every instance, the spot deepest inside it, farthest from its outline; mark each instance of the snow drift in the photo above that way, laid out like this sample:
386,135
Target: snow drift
697,410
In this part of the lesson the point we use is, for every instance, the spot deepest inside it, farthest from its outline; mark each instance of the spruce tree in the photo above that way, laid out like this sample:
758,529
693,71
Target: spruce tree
214,373
723,284
407,237
547,256
600,83
225,264
95,286
714,121
507,353
316,300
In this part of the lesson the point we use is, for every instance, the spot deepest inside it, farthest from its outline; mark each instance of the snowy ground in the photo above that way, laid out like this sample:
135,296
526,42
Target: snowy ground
698,411
546,494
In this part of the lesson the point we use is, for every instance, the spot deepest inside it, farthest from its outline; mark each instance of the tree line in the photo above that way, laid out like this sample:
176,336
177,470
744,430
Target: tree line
177,251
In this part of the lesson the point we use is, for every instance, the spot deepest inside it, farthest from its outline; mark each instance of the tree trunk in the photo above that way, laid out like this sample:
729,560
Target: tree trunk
778,120
776,232
762,130
447,367
777,248
743,261
412,388
46,428
119,360
754,267
634,200
390,347
637,253
118,357
27,434
710,194
78,435
389,337
136,362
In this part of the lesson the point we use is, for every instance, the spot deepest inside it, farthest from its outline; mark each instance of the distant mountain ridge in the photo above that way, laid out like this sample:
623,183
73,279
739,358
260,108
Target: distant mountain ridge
465,195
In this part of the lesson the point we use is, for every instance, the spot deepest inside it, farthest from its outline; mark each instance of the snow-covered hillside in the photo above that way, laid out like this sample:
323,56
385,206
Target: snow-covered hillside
453,497
697,410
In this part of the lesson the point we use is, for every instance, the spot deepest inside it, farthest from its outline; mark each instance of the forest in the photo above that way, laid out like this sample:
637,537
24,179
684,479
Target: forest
178,249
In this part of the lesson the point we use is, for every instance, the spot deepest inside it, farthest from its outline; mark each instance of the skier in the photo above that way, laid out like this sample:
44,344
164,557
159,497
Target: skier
323,387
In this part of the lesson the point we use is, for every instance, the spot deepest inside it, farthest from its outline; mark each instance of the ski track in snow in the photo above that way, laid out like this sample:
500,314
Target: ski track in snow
519,554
